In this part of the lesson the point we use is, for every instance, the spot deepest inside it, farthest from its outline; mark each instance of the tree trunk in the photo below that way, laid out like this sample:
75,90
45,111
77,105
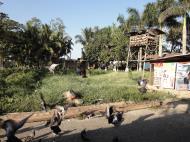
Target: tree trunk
184,35
160,42
127,65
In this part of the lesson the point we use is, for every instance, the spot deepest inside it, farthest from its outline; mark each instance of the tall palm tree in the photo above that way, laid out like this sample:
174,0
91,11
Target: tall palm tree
162,5
86,37
150,15
176,11
122,21
134,21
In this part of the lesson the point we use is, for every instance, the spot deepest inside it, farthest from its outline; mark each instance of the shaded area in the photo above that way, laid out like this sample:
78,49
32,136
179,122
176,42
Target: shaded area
167,129
168,124
170,128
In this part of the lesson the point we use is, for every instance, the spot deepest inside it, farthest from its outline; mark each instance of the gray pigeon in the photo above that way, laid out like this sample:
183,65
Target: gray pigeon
11,126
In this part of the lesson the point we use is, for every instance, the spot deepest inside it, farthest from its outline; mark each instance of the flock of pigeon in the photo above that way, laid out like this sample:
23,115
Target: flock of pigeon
11,126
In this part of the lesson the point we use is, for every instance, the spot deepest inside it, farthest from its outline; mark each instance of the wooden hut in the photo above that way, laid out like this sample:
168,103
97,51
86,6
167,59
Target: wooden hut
141,44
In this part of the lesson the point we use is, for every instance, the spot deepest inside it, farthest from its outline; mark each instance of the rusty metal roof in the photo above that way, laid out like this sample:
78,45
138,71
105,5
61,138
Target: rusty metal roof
171,58
154,31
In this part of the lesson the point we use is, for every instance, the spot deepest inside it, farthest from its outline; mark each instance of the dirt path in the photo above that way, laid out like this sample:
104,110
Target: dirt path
147,125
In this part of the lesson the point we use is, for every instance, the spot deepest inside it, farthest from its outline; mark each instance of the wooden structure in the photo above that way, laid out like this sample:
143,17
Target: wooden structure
141,44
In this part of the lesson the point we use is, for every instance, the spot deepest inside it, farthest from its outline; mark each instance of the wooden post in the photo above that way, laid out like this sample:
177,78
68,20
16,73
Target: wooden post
144,61
160,43
151,74
140,59
127,64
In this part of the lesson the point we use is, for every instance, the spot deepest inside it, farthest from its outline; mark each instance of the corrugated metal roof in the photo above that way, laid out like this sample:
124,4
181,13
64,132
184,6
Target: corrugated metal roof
172,58
154,31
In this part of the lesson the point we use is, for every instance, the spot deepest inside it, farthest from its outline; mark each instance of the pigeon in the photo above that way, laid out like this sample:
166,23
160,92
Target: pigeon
109,111
142,90
52,68
13,139
117,119
84,136
56,120
11,126
142,82
114,118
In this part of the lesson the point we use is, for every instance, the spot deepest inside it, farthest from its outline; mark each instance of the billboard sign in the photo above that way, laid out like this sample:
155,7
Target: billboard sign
182,80
168,75
157,74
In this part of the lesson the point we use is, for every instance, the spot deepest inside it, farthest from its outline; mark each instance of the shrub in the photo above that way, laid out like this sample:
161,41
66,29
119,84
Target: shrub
108,86
17,87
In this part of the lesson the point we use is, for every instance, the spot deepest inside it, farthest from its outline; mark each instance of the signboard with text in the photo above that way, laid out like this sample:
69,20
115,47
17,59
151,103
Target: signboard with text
182,81
157,74
168,75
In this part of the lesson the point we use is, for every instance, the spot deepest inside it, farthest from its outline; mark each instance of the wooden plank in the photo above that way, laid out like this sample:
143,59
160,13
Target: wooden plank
74,112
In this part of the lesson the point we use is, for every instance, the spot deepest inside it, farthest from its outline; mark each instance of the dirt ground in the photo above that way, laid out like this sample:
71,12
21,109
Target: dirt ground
170,123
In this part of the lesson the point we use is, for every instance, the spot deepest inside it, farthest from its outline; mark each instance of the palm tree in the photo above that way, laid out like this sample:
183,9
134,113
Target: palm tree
122,21
176,11
134,21
86,37
150,15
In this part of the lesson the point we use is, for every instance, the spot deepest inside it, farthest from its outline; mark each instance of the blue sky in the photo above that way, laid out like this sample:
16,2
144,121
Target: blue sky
76,14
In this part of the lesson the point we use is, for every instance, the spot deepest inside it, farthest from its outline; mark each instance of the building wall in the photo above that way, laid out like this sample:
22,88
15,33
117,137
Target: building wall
182,80
172,75
164,75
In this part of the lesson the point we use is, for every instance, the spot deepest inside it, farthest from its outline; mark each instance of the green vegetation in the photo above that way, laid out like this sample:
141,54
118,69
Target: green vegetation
111,43
109,86
34,44
17,87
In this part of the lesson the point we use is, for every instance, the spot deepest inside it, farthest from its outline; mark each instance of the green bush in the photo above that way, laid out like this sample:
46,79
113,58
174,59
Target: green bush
17,87
109,86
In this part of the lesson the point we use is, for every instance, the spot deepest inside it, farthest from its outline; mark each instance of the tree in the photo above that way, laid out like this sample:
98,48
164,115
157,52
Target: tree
9,39
175,11
33,44
86,36
122,21
174,37
134,21
150,15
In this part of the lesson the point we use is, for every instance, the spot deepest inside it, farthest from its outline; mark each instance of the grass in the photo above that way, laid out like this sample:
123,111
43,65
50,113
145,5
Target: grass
109,86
